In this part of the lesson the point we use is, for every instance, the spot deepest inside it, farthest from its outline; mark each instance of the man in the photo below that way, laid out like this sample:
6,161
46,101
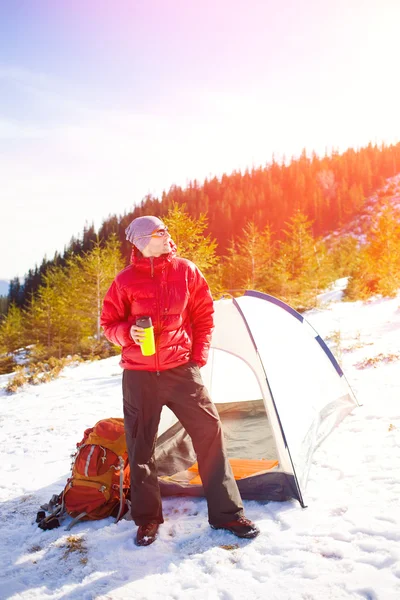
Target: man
174,293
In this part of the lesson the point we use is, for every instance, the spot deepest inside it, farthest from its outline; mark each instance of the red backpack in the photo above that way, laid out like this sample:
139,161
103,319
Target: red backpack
99,483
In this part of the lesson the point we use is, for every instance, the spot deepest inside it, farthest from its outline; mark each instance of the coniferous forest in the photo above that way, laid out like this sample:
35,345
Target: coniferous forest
267,229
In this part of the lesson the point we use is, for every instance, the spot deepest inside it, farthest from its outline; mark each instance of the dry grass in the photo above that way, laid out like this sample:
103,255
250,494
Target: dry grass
336,343
357,346
374,361
75,543
40,372
19,379
339,347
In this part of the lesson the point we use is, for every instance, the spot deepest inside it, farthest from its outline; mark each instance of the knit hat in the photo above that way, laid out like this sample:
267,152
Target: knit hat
141,227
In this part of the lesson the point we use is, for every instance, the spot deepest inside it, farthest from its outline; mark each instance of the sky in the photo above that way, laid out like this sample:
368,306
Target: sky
102,103
343,546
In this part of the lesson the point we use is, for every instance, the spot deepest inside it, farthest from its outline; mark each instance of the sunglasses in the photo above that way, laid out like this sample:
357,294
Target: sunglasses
160,232
156,233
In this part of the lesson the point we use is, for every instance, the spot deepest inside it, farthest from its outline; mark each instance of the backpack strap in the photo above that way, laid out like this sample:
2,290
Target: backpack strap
53,519
121,498
74,521
121,488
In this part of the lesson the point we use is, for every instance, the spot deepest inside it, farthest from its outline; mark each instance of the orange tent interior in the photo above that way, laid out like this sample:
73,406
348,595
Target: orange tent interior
241,468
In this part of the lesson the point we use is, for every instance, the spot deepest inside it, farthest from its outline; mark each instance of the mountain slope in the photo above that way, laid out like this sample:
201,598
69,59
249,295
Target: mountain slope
389,193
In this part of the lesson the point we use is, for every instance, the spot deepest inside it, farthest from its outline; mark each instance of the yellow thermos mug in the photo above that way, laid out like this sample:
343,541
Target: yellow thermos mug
147,346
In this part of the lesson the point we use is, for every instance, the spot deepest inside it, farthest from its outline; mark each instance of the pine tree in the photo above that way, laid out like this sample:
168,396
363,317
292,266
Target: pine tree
3,307
383,251
232,272
80,318
344,255
65,313
377,270
12,330
303,266
48,316
16,292
91,275
361,282
188,234
249,261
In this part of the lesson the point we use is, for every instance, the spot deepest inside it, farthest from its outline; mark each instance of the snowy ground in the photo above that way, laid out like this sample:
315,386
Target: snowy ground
344,545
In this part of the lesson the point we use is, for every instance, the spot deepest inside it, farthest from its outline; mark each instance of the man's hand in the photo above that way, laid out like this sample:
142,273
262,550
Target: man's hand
137,334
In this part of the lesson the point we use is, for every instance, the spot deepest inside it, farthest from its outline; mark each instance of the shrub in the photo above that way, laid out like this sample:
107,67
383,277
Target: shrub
20,378
41,372
39,353
7,364
92,349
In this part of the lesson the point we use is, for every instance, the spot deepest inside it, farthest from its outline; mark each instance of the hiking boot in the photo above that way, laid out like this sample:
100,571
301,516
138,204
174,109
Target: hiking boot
242,527
146,534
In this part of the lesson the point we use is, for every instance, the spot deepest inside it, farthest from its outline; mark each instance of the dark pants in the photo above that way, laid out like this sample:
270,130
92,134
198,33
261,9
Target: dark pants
182,390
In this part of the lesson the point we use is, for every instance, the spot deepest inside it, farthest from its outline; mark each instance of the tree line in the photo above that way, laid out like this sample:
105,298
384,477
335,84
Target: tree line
63,317
330,191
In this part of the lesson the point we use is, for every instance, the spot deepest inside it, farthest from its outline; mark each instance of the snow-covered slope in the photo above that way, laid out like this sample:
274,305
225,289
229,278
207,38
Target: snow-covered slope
388,194
345,545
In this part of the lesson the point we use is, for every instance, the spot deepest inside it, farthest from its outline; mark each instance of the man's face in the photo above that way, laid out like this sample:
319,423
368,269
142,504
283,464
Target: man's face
158,243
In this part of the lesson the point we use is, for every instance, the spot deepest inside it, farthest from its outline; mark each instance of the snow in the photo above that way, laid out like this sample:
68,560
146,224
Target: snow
345,545
387,195
334,293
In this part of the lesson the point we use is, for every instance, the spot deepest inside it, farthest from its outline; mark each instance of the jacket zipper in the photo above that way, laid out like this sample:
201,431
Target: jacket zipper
158,327
158,314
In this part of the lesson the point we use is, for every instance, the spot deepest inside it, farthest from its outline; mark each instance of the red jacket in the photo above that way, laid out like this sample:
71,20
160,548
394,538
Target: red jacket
174,293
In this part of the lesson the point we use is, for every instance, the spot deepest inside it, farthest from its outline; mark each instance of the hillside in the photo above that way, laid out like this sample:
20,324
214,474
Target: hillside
389,193
332,191
344,546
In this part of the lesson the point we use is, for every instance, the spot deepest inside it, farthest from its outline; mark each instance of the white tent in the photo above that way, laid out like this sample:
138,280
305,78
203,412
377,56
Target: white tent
270,366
